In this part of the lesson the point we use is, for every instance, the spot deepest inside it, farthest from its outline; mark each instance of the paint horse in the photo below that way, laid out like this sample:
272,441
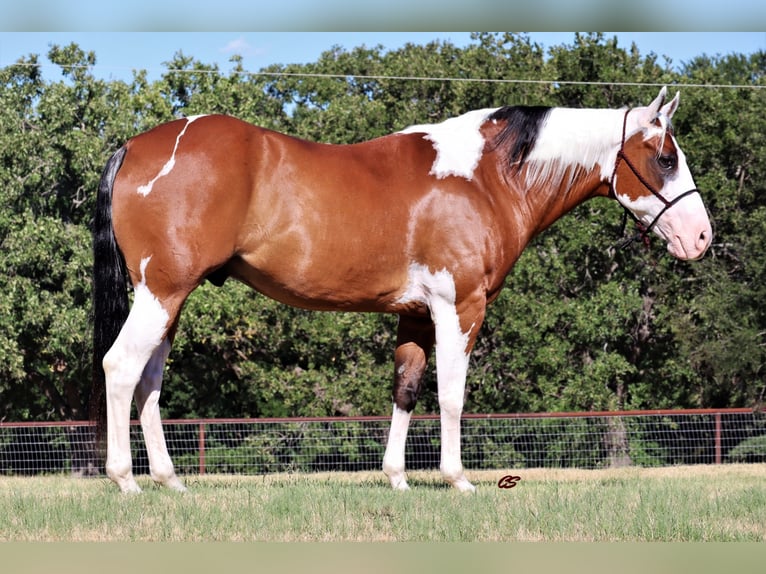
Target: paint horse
425,223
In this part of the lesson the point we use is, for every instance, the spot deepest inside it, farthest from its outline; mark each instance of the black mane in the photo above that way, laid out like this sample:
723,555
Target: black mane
522,126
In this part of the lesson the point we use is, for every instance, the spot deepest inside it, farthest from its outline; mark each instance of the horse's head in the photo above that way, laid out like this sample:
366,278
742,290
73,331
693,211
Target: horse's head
651,179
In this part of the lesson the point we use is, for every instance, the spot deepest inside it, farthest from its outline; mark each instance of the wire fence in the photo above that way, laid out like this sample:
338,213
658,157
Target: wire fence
511,441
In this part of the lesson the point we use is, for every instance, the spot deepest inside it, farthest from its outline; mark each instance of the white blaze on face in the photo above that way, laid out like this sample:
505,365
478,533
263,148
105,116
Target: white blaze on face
647,207
685,225
458,143
168,167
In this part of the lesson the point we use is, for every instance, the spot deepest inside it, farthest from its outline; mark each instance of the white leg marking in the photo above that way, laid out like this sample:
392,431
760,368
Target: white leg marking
168,167
147,398
118,396
437,290
393,460
451,369
124,364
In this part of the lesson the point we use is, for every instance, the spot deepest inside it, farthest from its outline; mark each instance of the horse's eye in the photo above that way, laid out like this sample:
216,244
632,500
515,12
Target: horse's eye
667,162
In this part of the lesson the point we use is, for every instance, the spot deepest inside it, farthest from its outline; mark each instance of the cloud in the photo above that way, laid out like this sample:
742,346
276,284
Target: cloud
241,47
238,46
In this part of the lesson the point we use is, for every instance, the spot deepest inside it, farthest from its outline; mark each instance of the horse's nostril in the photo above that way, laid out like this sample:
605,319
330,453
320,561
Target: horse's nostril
704,239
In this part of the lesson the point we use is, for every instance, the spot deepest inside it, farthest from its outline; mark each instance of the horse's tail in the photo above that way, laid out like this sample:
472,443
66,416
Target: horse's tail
110,295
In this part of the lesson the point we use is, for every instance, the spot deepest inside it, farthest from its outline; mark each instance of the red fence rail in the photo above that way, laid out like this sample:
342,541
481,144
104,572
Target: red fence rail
516,440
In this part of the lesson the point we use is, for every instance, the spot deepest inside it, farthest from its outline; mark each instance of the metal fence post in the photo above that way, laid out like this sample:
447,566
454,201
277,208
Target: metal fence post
202,447
718,438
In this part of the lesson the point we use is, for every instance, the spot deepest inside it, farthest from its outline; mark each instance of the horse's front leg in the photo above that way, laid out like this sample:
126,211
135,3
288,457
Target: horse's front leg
455,335
415,339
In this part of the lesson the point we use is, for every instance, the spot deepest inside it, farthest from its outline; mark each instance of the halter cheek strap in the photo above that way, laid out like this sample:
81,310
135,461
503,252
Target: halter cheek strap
644,231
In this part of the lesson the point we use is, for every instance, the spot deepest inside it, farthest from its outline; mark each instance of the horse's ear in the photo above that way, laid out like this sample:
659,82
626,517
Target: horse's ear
670,108
650,112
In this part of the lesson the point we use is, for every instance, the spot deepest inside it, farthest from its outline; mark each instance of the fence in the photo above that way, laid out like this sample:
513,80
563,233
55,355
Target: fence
553,440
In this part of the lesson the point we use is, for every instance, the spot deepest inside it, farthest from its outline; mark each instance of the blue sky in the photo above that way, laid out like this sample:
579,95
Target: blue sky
118,53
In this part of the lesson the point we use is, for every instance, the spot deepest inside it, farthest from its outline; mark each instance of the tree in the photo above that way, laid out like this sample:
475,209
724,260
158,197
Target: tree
720,325
580,325
54,140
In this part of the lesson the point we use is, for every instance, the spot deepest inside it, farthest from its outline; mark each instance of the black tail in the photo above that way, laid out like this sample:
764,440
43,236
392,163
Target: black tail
110,294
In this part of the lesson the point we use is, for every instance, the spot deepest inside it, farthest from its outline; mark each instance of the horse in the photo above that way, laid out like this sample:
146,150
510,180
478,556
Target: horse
424,223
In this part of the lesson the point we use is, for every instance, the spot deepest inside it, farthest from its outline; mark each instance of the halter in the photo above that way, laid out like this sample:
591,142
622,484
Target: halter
643,231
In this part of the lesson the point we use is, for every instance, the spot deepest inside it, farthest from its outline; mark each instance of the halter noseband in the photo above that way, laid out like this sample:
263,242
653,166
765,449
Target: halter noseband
643,231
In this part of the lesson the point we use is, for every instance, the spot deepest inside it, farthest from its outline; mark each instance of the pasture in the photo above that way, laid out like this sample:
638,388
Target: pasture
690,503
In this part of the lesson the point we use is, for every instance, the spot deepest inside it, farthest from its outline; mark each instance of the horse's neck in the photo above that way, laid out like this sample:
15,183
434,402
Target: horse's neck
571,162
548,203
586,139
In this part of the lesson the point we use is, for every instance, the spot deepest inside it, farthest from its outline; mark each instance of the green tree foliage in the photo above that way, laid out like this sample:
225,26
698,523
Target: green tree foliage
580,325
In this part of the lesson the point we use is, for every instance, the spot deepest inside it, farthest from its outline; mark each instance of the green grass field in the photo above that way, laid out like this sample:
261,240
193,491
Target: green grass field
700,503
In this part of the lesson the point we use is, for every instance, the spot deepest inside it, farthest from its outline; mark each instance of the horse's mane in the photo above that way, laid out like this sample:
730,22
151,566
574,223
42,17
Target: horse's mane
522,126
523,129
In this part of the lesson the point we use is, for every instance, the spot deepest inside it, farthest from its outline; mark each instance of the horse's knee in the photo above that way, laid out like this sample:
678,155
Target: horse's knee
451,406
406,395
410,364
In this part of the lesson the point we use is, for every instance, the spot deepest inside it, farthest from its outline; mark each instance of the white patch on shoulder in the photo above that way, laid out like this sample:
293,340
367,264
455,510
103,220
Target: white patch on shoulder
458,143
423,285
168,167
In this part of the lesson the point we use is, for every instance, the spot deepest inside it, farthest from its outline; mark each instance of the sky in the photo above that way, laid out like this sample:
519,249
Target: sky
118,53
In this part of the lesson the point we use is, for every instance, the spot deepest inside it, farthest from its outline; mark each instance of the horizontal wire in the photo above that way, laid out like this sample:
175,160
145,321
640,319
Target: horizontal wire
395,78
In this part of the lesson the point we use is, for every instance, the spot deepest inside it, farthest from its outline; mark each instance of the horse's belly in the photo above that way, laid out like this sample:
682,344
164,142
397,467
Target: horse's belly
332,288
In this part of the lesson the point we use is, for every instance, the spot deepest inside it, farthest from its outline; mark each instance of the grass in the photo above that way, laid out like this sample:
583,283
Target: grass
700,503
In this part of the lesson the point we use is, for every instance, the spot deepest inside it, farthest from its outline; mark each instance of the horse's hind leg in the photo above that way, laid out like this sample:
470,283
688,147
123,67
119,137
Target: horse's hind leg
147,396
139,348
415,339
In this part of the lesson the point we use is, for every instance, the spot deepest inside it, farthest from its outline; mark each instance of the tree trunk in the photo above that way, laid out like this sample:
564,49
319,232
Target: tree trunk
616,443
